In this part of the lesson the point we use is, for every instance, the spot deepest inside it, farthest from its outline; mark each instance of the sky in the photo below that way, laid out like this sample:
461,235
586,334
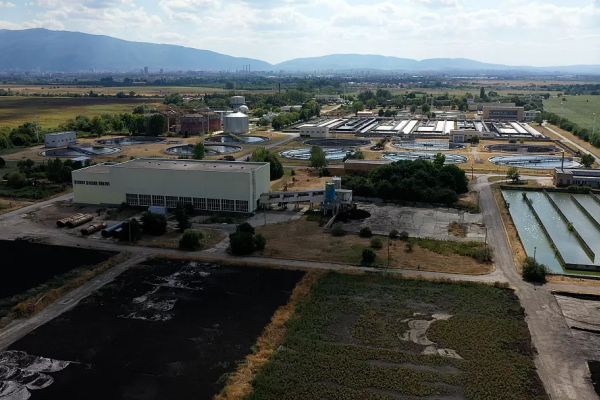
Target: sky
512,32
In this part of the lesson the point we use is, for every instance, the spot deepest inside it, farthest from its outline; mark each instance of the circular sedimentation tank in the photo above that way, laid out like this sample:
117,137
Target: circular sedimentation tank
244,139
81,151
523,148
530,161
416,155
210,149
304,154
439,145
338,142
132,140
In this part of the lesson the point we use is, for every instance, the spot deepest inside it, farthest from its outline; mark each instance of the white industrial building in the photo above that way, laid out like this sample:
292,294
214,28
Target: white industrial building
313,131
237,123
60,139
208,185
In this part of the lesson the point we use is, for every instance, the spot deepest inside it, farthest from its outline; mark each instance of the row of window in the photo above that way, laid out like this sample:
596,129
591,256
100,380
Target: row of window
91,183
198,203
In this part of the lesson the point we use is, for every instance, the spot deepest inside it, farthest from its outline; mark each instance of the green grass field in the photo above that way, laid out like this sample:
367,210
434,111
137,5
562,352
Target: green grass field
113,90
53,111
577,109
376,338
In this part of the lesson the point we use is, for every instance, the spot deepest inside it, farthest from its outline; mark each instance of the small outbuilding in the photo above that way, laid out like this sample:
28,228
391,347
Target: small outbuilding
60,139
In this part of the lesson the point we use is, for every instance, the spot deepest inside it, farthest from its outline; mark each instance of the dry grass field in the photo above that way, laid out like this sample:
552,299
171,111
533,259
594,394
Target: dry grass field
53,111
304,178
170,240
148,90
305,240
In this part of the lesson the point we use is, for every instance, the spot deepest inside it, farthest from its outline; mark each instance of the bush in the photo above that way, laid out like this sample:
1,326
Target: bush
394,234
2,162
191,239
409,246
338,229
260,242
154,224
16,180
403,235
534,271
376,243
365,232
368,255
183,221
132,226
485,254
245,228
241,243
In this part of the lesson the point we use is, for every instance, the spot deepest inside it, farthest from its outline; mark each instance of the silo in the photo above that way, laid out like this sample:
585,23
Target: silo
237,102
329,192
337,182
236,123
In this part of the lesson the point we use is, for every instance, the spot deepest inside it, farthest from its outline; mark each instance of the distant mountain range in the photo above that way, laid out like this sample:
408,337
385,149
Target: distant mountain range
48,50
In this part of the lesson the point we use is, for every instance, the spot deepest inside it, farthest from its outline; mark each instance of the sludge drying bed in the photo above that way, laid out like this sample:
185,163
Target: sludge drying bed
531,161
210,149
415,155
304,154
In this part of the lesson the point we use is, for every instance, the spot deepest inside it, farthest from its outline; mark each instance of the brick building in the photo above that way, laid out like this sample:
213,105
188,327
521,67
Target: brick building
200,123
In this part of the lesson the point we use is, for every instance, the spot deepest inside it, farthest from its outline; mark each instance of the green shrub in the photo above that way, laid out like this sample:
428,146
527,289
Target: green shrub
534,271
485,254
368,255
338,229
241,243
409,246
245,228
376,243
365,232
191,240
154,224
16,180
394,234
260,242
132,227
403,235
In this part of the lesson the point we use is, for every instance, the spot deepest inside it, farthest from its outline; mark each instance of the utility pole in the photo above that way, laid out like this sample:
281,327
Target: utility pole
388,251
534,251
594,128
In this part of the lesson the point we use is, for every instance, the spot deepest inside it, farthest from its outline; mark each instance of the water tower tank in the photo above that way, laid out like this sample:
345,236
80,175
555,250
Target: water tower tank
329,192
236,123
337,182
237,101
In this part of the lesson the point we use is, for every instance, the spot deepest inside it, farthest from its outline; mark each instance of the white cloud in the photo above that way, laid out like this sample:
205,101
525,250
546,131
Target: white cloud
7,4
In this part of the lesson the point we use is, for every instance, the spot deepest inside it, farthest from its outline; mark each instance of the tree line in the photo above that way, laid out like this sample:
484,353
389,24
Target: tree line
420,180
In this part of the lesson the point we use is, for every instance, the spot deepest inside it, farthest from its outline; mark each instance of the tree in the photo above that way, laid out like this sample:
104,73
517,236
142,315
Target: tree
534,271
587,160
368,255
157,123
154,224
365,232
357,106
2,162
244,241
376,243
98,126
54,169
482,93
371,104
426,108
199,151
131,231
181,215
513,174
439,159
261,154
191,240
381,113
413,108
317,158
16,180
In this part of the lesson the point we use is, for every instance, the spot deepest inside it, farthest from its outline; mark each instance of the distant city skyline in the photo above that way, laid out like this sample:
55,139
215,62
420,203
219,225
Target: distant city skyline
512,32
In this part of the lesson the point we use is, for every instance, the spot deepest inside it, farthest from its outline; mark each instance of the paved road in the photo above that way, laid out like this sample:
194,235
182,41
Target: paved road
270,146
569,141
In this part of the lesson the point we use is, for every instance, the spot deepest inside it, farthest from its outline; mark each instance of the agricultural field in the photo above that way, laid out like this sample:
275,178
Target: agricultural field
53,111
375,338
577,109
149,90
